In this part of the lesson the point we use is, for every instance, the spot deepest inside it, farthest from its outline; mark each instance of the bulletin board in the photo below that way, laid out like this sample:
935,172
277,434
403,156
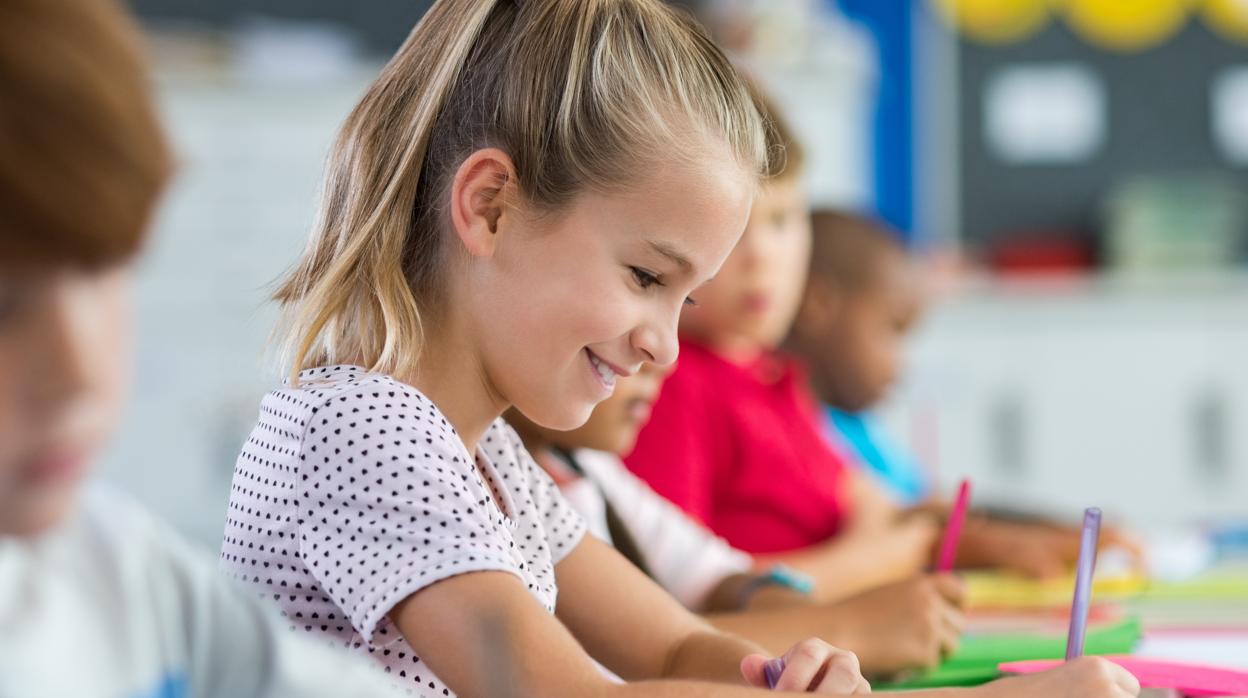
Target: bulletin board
1157,120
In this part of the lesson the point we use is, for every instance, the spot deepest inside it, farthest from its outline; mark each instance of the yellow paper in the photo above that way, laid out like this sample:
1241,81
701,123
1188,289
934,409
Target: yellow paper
999,590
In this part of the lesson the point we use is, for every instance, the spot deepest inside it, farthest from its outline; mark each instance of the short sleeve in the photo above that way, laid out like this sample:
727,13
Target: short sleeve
388,503
564,524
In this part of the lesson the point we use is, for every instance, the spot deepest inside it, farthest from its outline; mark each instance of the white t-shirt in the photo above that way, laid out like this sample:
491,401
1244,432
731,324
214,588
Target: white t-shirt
112,604
353,492
685,557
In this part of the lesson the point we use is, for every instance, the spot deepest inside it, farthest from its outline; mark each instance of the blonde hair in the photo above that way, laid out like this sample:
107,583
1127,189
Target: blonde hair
582,94
786,158
83,158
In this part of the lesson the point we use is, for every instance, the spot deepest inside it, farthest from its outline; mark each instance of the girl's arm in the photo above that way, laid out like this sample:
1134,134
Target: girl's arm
484,630
907,625
881,544
634,627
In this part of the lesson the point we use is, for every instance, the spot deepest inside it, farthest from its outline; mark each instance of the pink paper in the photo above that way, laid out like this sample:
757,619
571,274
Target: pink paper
1190,679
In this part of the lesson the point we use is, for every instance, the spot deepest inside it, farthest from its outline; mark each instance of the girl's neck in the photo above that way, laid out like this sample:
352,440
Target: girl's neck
452,375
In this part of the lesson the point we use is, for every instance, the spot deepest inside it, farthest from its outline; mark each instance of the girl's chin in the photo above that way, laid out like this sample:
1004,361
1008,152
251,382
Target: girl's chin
561,420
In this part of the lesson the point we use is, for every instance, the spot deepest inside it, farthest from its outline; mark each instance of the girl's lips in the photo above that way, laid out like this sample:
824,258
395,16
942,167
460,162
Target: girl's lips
605,384
755,302
616,369
54,467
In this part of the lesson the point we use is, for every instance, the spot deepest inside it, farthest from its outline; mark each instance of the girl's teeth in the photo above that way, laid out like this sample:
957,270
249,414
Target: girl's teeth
607,375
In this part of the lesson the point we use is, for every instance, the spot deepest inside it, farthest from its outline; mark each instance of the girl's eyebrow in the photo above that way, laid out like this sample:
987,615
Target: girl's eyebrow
673,254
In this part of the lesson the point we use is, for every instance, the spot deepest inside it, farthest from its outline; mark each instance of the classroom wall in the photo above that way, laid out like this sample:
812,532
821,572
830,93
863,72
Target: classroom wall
1158,119
250,161
1137,389
1127,394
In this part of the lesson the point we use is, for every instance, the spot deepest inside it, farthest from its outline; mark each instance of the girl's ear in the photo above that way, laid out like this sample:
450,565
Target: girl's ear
480,193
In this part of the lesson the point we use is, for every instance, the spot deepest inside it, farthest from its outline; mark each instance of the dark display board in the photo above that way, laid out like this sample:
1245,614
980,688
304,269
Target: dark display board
381,24
1158,121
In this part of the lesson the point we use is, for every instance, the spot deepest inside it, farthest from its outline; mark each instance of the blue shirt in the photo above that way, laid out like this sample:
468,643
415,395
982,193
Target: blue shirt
871,446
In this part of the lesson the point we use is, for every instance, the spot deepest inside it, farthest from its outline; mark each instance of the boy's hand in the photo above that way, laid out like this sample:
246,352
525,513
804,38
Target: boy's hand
811,666
1088,677
1038,551
911,624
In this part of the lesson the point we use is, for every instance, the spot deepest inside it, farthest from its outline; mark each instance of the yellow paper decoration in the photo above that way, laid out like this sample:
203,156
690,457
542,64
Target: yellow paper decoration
1227,17
1126,25
995,21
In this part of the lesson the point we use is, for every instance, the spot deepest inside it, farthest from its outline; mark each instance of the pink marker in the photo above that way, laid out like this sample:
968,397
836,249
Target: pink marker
953,528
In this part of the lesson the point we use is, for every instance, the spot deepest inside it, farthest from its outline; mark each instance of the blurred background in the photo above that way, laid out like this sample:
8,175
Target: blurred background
1071,173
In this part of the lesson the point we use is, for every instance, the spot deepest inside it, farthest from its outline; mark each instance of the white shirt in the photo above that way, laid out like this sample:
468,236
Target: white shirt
685,557
353,492
112,604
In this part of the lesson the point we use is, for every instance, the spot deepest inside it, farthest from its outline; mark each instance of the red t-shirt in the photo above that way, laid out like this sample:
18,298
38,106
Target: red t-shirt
740,448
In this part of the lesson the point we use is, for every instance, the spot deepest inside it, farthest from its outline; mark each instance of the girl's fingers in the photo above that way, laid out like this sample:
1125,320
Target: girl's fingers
812,665
752,670
802,665
949,641
952,588
841,674
1127,682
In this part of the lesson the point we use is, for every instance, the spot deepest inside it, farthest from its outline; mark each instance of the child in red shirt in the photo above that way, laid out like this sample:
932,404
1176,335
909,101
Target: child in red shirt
736,438
753,465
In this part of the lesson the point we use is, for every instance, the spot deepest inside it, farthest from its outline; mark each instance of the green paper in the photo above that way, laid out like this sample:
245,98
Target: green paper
977,657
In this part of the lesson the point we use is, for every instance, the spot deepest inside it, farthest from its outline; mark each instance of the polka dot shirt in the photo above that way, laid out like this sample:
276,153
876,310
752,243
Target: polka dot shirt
353,492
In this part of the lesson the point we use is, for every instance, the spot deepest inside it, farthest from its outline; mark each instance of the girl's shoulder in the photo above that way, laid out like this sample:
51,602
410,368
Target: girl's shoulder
321,384
355,390
360,409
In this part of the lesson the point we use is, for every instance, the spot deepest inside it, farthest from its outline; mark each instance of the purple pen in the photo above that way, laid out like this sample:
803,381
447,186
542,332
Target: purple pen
1083,582
772,670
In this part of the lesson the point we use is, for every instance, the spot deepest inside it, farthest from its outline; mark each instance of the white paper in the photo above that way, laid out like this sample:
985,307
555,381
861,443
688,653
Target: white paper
1215,648
1044,114
1229,111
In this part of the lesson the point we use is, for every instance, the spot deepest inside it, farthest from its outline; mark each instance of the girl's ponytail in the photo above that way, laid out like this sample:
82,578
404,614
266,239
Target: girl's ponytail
351,286
583,94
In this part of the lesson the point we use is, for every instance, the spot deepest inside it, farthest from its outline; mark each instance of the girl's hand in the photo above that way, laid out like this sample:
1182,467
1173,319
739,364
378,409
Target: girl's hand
811,666
906,625
1088,677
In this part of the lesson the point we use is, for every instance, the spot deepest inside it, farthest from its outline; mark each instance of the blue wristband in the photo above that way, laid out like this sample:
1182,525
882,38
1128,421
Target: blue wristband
780,576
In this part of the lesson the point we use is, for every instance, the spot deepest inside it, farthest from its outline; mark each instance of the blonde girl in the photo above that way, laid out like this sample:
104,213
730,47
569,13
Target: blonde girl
514,215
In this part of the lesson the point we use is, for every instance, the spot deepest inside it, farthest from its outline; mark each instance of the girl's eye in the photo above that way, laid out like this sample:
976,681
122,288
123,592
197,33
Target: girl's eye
644,278
690,301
